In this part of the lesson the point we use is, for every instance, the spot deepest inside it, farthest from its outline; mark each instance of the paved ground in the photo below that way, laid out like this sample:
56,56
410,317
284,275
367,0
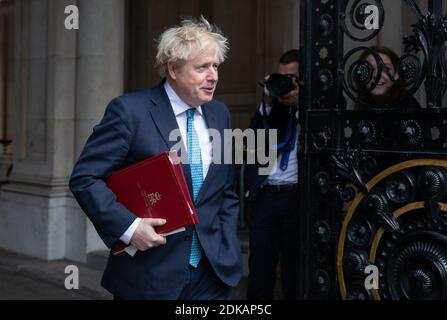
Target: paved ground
18,287
26,278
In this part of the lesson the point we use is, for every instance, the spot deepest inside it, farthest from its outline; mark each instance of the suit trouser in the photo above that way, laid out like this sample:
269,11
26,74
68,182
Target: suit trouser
273,238
202,284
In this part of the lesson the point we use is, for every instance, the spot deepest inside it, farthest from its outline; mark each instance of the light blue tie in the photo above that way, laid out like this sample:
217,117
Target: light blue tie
195,163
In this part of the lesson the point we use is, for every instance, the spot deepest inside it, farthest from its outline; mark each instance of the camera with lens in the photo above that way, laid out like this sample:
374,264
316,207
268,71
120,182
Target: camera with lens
279,85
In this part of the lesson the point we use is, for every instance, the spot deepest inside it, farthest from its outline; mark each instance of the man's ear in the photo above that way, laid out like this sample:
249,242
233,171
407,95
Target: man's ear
171,71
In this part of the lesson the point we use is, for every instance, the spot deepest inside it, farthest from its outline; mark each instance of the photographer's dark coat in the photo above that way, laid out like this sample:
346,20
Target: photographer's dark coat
278,119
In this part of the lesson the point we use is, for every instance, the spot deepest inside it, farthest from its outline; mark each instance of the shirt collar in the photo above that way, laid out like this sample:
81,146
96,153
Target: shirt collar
178,105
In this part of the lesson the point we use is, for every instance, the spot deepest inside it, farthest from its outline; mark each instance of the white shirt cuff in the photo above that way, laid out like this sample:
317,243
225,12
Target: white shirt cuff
130,231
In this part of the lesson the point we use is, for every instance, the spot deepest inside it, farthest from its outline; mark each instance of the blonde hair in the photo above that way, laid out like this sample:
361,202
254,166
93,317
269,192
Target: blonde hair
177,43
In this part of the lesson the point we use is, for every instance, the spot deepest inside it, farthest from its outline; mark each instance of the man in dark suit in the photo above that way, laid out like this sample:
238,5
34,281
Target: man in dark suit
273,197
203,262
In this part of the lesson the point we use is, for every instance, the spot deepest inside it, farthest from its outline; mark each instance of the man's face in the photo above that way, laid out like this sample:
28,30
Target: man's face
196,79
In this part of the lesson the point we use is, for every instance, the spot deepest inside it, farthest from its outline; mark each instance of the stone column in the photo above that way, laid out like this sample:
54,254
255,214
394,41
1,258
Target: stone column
33,205
2,74
6,85
64,79
100,62
99,78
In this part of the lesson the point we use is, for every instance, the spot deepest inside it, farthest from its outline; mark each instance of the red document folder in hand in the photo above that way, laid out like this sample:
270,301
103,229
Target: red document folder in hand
155,188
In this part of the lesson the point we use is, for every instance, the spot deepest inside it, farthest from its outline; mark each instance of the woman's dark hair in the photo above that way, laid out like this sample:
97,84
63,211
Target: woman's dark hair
386,51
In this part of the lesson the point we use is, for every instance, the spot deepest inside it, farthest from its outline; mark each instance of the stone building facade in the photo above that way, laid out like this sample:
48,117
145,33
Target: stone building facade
55,84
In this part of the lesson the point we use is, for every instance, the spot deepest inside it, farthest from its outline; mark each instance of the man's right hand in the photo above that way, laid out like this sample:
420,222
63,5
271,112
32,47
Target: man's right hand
145,236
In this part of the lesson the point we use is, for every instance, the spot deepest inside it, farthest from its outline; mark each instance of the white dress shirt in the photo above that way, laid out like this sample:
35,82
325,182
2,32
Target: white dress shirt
180,107
290,175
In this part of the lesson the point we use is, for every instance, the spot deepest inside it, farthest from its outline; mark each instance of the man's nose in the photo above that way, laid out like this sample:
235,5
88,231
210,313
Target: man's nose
212,74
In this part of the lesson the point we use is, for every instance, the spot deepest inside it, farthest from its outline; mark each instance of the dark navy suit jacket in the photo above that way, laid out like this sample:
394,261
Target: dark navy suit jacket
137,126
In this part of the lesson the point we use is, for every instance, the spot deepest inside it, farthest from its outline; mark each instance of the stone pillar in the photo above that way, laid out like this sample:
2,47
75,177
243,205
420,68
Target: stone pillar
33,204
6,85
100,62
99,78
2,74
64,79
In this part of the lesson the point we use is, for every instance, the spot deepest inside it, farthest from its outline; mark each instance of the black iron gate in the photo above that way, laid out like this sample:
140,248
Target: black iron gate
374,179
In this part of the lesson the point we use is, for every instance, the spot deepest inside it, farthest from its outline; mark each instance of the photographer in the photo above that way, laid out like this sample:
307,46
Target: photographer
273,198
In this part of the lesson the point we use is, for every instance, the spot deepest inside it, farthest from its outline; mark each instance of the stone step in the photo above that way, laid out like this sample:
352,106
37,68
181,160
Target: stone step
37,274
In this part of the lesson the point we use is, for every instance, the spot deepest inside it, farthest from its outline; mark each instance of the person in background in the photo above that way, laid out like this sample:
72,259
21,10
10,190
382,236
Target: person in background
388,92
273,198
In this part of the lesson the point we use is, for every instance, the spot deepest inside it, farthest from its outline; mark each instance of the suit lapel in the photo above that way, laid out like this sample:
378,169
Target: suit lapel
164,119
163,115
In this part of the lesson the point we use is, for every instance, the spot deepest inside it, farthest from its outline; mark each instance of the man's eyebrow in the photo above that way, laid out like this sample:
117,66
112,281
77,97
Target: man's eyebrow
203,64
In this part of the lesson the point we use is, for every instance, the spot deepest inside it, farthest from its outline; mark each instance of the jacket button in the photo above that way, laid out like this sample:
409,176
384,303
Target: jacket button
187,238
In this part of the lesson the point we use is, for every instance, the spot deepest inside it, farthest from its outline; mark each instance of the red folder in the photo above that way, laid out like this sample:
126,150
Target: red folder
155,188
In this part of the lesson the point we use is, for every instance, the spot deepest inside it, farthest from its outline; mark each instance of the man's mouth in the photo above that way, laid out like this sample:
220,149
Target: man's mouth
208,89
